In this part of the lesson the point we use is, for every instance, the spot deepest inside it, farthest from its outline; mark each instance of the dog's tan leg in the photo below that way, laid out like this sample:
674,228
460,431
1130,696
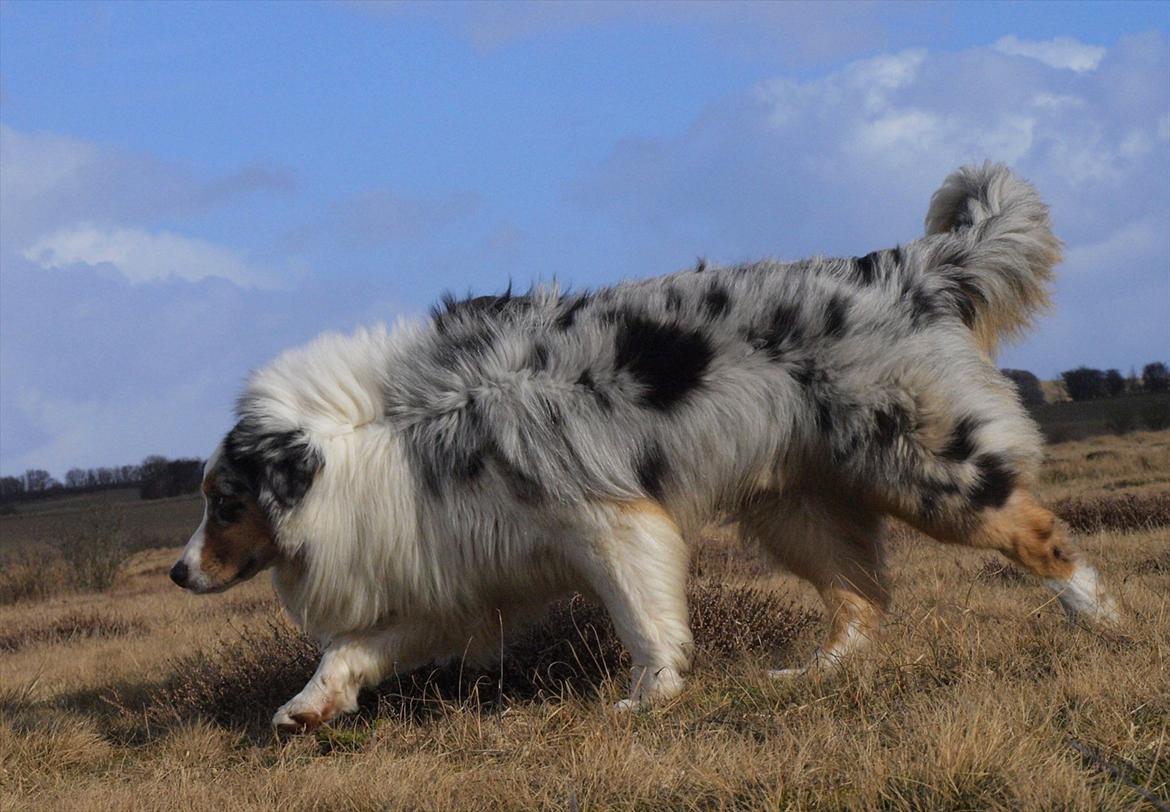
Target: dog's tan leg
1031,536
638,569
835,545
350,663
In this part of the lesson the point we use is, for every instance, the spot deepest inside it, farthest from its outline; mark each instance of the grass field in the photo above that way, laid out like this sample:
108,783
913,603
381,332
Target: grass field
980,695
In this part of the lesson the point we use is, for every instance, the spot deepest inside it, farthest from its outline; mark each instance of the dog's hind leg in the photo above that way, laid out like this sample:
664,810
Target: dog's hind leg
835,544
1028,534
637,567
352,662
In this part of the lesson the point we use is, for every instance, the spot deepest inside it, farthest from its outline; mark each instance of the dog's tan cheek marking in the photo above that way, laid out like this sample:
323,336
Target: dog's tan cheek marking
227,549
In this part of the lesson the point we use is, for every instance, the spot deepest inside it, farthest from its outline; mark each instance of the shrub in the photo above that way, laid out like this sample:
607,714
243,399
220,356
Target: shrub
1120,418
1124,512
1114,383
1156,414
87,561
97,552
1155,377
1084,383
32,572
1027,386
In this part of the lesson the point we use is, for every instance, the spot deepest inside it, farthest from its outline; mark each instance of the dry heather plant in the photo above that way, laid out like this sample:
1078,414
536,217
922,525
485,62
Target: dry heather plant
97,552
572,652
86,559
1122,512
71,627
32,572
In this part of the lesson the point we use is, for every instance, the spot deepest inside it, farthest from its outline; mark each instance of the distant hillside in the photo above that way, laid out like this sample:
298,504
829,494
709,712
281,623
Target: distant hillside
1075,420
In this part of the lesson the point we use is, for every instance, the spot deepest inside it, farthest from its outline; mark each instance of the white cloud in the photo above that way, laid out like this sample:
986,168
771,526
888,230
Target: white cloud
142,256
51,181
845,163
869,82
1061,52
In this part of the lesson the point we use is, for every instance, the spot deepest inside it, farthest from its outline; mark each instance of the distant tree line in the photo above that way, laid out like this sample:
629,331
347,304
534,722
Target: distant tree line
156,477
1086,383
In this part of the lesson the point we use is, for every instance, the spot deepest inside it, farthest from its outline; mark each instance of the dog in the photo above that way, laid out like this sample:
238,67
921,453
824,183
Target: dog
414,489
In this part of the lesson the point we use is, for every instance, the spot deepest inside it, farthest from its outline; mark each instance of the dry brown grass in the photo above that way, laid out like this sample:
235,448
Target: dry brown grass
980,696
68,629
1127,511
87,559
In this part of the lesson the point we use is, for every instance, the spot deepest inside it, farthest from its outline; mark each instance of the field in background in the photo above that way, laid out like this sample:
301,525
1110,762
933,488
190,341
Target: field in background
1078,420
979,696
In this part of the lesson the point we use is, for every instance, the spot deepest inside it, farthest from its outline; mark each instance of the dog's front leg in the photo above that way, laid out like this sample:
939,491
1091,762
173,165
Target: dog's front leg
351,662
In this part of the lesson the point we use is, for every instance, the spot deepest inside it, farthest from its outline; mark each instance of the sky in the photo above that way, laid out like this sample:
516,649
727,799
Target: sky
188,189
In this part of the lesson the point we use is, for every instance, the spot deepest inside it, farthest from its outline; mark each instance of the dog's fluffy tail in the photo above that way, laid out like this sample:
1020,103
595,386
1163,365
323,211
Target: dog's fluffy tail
991,241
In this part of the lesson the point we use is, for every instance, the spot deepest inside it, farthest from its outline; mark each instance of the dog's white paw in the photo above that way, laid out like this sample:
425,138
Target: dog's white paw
307,711
294,717
788,673
1083,595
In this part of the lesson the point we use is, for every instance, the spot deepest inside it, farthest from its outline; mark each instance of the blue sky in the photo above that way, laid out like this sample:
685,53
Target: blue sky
187,189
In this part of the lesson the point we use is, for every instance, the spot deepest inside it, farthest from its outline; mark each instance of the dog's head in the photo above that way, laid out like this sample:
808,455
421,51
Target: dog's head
251,480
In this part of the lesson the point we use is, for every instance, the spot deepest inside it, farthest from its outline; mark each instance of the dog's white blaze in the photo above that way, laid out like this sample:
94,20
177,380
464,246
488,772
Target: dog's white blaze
193,556
1084,594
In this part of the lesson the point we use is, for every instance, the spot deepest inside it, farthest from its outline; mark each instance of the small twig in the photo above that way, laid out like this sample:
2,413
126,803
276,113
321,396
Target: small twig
1115,772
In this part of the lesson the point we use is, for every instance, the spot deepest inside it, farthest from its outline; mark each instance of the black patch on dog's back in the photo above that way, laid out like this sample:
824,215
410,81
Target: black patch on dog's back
888,425
651,470
922,306
451,309
824,414
716,301
836,316
538,358
569,315
865,268
585,380
667,360
782,331
967,299
961,444
995,483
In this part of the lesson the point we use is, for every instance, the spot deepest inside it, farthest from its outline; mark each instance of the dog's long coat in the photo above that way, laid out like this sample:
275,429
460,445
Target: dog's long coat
417,483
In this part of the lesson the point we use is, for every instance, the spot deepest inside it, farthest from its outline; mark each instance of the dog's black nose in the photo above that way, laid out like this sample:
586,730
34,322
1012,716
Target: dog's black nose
179,573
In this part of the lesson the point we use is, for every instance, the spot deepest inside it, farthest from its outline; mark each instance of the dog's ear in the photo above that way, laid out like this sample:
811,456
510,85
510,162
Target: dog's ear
279,466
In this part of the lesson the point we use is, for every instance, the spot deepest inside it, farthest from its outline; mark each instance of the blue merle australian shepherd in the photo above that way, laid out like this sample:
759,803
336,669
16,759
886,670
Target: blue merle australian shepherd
409,487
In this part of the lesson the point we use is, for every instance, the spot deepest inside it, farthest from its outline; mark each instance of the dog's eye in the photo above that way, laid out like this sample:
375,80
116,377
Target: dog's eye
224,510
